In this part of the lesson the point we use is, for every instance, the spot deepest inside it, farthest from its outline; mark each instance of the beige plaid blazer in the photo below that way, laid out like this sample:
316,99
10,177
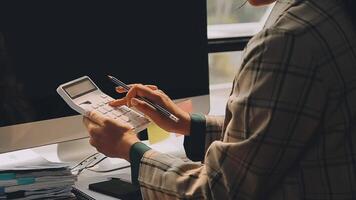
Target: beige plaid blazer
289,130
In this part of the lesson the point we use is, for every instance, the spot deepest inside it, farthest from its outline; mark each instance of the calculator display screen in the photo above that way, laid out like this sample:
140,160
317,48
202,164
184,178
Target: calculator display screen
79,88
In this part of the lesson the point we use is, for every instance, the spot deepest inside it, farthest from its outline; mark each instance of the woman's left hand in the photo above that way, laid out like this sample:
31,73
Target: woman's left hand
111,137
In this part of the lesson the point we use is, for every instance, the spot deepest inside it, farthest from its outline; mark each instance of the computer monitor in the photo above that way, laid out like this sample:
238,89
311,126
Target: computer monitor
149,42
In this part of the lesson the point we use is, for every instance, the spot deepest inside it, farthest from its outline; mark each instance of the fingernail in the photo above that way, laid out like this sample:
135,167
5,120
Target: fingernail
134,101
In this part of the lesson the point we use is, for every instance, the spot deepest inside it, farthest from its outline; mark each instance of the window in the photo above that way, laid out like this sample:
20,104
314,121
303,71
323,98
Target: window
223,66
231,23
234,18
233,11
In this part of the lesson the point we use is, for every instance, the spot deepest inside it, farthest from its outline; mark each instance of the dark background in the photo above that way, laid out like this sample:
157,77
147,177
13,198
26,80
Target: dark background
155,42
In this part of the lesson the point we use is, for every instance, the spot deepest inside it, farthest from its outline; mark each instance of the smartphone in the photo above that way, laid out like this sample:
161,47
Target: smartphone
117,188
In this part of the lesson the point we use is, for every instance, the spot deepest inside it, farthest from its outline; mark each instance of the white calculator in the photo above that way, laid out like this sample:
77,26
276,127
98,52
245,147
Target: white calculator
83,95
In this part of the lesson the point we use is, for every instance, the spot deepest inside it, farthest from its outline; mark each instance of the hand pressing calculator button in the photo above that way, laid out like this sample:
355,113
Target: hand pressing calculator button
83,95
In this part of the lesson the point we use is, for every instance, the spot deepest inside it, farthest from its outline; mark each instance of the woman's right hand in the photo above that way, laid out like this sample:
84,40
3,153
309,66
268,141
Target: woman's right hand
155,95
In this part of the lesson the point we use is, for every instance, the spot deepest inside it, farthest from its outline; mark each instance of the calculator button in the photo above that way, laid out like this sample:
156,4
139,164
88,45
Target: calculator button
124,118
121,120
108,108
110,115
125,109
122,112
95,106
103,111
107,100
103,96
116,113
118,109
101,104
134,115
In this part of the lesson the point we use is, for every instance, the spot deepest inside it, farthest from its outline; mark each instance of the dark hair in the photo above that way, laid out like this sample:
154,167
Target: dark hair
350,6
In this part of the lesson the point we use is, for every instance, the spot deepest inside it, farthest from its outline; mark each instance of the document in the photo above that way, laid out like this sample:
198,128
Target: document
26,175
26,160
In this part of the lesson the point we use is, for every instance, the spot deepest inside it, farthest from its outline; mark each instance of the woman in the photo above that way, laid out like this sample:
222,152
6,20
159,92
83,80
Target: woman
288,132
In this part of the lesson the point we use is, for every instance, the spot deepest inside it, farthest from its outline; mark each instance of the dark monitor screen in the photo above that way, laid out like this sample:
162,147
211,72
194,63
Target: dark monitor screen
151,42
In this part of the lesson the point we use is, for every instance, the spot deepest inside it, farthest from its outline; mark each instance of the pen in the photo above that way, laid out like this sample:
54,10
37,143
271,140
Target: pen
156,106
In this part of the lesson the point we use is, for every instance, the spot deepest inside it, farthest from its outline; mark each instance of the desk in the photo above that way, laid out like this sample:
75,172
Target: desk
173,145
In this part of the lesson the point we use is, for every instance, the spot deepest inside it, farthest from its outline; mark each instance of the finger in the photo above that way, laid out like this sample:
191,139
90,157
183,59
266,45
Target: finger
120,89
122,126
95,143
118,102
97,118
123,90
146,109
91,127
152,87
92,142
160,91
143,91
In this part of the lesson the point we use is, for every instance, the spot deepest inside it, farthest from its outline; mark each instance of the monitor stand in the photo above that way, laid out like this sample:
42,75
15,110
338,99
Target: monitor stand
75,150
71,151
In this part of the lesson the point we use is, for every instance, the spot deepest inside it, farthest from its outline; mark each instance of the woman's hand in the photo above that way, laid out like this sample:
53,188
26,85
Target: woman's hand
111,137
152,93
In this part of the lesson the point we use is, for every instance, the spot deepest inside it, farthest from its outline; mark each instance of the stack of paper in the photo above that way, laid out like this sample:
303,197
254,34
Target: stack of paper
25,175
